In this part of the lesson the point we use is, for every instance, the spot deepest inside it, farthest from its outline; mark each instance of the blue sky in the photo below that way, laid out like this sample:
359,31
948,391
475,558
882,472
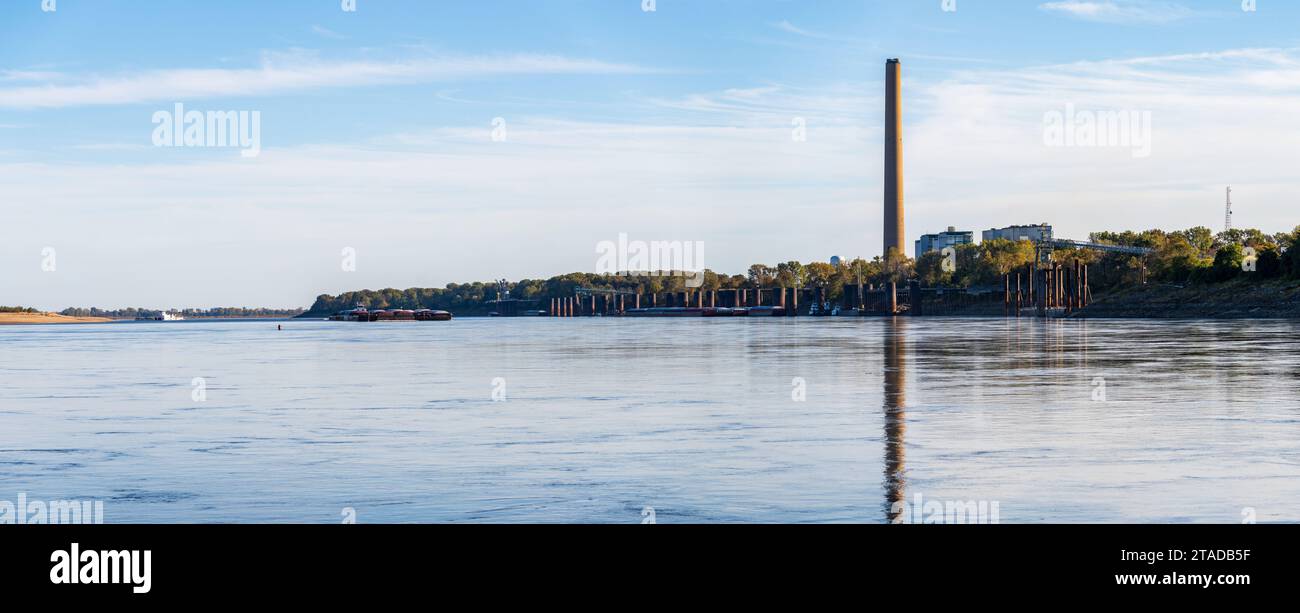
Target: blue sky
672,124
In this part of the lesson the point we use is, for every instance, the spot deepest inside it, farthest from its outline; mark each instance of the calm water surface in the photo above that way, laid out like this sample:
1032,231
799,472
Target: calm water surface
693,417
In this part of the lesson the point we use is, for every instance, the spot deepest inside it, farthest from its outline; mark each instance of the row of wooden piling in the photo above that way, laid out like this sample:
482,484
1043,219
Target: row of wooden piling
1049,287
1053,286
881,299
618,304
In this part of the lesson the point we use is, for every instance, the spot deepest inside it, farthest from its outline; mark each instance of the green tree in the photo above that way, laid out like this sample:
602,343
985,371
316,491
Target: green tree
1269,263
1227,262
929,269
1201,239
760,275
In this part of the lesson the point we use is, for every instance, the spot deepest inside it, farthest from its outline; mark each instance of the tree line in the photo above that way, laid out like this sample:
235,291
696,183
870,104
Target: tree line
134,312
478,297
1196,255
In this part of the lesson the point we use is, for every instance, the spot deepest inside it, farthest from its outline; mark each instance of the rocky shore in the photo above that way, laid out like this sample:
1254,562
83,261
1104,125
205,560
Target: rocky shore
1238,299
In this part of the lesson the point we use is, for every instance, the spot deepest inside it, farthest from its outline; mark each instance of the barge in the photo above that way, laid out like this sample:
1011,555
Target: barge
367,315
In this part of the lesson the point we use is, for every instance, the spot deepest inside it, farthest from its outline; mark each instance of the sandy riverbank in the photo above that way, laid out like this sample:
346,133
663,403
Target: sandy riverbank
48,318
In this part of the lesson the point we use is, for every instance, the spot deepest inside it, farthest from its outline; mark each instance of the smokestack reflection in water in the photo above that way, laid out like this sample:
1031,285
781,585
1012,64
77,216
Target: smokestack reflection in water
895,405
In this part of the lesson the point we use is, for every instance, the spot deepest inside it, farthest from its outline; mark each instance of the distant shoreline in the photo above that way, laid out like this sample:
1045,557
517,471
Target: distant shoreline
48,318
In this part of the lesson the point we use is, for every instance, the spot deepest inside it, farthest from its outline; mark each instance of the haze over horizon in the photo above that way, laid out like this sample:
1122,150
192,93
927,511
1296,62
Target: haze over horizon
674,124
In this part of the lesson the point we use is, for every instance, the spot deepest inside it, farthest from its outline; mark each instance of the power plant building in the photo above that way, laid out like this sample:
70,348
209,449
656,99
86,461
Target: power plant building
936,242
1038,233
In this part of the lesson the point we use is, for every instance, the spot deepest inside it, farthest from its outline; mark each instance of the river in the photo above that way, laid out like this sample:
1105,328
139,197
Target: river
670,420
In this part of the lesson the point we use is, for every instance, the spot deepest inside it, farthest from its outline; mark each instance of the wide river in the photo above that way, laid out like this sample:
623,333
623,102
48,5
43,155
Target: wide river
682,420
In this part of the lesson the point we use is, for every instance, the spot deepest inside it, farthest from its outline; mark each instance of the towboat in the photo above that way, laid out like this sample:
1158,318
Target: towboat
357,314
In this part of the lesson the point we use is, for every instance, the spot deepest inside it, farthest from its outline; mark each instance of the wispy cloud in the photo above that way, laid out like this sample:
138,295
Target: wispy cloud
976,158
28,75
1120,11
110,147
326,32
1216,119
281,73
786,26
774,105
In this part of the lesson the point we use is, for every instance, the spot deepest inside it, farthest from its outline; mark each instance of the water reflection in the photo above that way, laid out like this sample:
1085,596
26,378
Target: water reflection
895,405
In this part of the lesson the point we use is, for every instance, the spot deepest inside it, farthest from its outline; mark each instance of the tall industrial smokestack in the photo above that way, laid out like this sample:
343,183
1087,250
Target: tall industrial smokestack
893,157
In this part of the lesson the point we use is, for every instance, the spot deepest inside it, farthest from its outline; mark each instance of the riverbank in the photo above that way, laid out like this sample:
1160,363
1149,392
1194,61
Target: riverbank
1237,299
48,318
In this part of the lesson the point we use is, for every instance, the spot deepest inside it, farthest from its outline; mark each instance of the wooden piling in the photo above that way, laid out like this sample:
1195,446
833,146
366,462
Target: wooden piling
1031,283
1019,296
1006,295
1086,295
1040,292
1060,286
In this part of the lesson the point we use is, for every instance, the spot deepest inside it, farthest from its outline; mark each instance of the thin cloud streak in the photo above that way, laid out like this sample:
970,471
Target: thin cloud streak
1120,11
280,74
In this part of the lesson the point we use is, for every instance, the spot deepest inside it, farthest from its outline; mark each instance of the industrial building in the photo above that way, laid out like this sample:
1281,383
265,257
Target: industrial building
1039,233
936,242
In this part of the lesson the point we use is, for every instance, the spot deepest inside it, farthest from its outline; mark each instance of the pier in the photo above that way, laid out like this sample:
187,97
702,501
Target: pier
1050,289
